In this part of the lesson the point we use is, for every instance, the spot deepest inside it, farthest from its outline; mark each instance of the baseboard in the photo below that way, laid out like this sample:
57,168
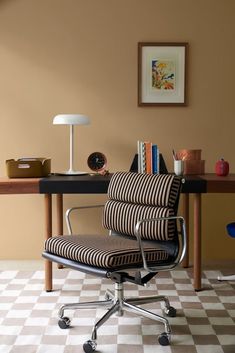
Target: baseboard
35,265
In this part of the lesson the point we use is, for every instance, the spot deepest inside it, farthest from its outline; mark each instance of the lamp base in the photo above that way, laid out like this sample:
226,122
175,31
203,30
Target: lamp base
72,172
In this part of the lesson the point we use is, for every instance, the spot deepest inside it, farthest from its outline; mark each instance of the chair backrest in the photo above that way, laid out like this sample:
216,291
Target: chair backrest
134,196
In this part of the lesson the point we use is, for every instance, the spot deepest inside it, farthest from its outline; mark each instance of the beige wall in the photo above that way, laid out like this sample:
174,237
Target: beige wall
81,56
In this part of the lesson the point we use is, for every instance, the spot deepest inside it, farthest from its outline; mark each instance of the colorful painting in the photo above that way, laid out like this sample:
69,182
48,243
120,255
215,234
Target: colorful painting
163,74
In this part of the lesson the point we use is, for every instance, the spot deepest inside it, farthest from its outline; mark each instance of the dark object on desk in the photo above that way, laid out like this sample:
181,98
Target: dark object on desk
97,162
136,243
162,165
134,164
28,167
163,168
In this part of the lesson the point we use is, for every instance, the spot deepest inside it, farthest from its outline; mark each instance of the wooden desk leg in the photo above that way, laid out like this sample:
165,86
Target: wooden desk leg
59,210
48,234
185,262
197,242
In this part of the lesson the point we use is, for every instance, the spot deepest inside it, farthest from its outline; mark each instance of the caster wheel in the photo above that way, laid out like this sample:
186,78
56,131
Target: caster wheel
171,312
107,296
64,323
89,346
164,339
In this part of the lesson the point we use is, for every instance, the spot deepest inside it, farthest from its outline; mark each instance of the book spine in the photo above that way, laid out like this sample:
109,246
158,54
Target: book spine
143,158
155,159
158,161
148,152
139,156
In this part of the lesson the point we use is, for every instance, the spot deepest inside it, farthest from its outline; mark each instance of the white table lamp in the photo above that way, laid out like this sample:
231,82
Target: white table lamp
71,120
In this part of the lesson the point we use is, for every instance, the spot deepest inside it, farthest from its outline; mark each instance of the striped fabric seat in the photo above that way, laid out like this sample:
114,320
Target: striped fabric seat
103,251
132,197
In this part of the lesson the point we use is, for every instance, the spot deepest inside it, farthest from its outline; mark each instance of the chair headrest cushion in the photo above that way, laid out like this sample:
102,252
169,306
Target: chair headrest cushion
160,190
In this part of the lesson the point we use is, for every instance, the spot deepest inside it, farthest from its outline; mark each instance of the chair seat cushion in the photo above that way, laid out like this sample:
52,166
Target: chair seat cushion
108,252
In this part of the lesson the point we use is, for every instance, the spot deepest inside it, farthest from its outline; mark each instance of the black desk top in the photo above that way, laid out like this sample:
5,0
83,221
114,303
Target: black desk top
79,184
98,184
193,184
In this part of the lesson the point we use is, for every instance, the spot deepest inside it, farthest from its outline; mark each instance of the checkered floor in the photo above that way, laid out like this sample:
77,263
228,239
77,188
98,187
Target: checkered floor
205,322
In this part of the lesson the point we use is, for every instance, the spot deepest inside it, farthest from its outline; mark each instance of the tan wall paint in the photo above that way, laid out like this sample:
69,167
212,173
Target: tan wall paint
81,56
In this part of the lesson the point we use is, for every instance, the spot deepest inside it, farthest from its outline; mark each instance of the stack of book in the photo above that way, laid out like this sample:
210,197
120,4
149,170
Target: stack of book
148,157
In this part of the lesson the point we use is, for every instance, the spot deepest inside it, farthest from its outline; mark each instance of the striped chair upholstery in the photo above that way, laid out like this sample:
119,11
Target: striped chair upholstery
102,251
145,189
131,197
134,196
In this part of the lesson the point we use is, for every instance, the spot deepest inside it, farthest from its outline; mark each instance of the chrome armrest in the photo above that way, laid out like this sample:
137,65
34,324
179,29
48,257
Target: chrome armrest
181,233
69,210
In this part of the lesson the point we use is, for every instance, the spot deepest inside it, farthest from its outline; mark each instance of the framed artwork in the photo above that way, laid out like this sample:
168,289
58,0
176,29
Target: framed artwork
162,69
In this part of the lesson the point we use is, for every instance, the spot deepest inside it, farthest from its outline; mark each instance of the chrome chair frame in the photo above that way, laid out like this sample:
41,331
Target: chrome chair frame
68,213
117,303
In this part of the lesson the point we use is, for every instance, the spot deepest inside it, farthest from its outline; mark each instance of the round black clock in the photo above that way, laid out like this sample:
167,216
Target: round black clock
97,162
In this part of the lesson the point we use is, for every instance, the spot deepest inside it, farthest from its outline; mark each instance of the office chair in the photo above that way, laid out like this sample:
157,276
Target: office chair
231,231
133,168
146,236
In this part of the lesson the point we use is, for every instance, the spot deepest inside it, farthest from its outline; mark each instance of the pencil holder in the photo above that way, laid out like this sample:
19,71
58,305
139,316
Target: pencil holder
178,167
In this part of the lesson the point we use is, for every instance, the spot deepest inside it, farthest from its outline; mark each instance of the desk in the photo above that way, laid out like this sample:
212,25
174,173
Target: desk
209,183
59,185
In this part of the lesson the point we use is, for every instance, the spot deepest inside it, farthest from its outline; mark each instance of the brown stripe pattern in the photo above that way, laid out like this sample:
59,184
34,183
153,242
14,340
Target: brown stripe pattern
103,251
145,189
132,197
122,218
135,196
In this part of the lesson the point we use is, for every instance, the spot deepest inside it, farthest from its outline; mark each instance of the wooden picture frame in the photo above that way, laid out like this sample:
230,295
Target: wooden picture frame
162,70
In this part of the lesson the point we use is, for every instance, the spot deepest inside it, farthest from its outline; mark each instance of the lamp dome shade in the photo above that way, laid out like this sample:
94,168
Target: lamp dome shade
71,119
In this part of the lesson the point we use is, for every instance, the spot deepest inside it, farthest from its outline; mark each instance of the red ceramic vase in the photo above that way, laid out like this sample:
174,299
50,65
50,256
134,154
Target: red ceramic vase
222,167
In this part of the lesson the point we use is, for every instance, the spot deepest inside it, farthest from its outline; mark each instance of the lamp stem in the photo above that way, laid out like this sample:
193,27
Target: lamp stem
71,149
